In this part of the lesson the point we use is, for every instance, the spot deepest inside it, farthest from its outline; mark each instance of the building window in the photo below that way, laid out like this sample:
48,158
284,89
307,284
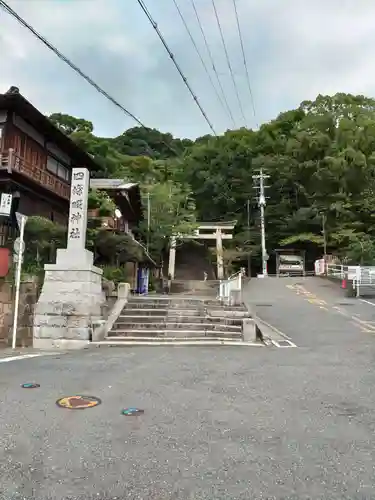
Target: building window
57,168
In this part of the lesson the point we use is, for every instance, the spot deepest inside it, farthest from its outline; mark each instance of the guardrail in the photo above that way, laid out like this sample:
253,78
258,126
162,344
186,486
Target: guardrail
361,279
228,287
341,271
364,281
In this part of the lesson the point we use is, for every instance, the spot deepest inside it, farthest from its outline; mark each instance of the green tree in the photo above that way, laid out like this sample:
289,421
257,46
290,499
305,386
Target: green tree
69,124
172,212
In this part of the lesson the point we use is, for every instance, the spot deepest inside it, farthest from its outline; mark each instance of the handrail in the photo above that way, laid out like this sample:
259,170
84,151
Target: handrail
235,274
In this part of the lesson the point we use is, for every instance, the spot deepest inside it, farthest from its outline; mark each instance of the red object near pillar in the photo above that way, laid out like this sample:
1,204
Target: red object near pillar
4,262
343,284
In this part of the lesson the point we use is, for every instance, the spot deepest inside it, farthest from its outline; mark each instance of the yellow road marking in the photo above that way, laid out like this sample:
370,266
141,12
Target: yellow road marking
365,326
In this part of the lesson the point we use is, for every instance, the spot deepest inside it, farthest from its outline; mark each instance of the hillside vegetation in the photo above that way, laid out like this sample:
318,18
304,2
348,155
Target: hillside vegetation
320,158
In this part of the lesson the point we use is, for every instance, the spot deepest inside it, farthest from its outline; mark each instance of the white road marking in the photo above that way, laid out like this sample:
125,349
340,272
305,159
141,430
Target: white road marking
271,327
17,358
367,302
275,343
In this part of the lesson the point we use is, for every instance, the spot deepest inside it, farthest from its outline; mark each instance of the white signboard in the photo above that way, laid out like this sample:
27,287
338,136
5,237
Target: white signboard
78,208
5,204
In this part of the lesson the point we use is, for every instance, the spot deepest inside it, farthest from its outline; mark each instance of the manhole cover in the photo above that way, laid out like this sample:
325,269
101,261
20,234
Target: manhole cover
132,412
30,385
78,402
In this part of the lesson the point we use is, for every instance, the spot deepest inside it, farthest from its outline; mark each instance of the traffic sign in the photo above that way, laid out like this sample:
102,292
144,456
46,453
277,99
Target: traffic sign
19,218
17,247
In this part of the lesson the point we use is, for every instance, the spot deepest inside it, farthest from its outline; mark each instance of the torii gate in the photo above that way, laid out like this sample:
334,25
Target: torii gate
218,231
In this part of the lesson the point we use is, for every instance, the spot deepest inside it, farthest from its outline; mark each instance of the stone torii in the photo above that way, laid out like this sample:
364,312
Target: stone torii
218,231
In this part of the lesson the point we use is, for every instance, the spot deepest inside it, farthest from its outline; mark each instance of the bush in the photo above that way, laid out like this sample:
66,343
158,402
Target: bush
115,274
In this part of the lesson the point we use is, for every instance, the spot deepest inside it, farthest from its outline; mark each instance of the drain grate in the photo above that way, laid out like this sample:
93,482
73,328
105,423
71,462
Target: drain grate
263,305
345,304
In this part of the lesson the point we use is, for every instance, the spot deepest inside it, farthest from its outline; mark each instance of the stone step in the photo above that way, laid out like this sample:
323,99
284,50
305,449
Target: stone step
173,333
137,304
165,300
226,307
121,325
227,314
166,305
140,318
161,312
186,341
144,312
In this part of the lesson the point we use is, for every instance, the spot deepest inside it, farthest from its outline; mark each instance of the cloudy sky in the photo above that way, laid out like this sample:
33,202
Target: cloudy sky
295,50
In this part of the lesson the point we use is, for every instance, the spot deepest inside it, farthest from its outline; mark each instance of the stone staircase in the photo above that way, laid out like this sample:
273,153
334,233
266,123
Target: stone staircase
176,319
200,288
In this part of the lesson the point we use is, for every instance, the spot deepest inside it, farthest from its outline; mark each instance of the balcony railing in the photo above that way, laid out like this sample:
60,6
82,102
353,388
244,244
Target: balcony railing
4,160
14,163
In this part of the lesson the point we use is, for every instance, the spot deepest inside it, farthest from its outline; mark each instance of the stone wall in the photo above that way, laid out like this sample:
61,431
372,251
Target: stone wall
29,293
28,296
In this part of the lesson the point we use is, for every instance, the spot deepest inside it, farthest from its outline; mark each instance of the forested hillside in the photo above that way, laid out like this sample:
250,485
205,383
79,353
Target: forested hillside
320,158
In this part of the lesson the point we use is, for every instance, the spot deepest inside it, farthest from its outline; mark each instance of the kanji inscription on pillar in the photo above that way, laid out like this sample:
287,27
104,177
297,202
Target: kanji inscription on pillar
78,208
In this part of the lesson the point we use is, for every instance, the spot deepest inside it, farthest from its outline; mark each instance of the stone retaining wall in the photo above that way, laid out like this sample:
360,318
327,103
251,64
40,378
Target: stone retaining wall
28,296
29,293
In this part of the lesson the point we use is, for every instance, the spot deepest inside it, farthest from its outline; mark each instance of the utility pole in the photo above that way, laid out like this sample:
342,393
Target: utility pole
324,234
262,204
148,219
248,237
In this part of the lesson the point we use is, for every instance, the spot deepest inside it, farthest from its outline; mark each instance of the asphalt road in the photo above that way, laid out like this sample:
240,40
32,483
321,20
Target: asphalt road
219,423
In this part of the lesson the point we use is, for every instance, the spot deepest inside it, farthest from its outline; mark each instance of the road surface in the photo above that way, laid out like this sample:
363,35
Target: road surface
219,423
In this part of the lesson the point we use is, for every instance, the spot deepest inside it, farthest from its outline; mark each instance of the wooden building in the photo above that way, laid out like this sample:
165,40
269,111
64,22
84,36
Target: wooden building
36,160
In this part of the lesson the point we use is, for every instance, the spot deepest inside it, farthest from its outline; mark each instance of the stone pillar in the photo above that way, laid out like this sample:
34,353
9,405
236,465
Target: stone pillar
72,298
172,258
219,255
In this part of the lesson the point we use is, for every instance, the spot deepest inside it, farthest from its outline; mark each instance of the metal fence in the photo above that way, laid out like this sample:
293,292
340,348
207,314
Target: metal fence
364,281
341,271
359,279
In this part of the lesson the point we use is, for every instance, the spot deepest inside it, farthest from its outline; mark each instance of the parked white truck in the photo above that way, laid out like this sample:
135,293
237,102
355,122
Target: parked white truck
288,264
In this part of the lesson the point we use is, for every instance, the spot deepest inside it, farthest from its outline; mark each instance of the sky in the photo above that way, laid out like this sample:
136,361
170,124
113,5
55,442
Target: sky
295,50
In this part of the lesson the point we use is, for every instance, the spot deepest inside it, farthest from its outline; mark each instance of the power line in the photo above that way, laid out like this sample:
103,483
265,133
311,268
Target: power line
155,26
89,80
228,60
68,61
212,61
244,56
199,54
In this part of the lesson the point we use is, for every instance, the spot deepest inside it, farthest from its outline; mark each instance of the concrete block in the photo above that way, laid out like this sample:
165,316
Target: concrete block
235,298
123,290
249,330
71,299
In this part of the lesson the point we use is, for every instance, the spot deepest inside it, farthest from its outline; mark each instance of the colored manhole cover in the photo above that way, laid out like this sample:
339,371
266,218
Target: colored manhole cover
78,402
132,412
30,385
